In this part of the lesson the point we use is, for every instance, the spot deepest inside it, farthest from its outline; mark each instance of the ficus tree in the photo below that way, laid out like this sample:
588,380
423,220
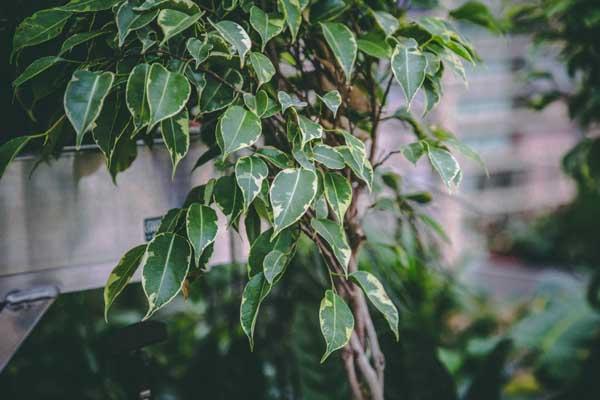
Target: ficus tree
290,96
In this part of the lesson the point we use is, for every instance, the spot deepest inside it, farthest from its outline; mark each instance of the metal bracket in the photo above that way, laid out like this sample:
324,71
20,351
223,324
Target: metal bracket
19,313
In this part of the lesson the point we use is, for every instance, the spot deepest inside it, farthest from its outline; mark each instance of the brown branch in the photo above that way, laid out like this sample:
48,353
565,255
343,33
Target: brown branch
377,119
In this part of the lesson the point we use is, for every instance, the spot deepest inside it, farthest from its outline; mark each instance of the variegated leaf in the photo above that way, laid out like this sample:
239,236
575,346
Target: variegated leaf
238,129
250,172
291,194
335,237
337,322
338,192
201,226
121,275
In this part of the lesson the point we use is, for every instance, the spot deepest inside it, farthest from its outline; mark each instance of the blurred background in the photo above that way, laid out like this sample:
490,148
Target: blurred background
500,304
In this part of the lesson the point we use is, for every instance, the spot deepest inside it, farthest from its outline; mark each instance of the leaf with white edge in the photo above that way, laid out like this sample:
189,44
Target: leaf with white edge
84,98
79,38
35,68
135,95
262,66
255,292
176,134
375,45
170,221
342,42
88,5
356,147
265,106
275,156
238,129
201,226
10,149
363,170
173,22
235,36
186,6
198,49
217,94
338,192
167,93
332,101
328,156
288,101
291,194
337,322
42,26
274,265
320,207
113,121
147,38
265,243
387,22
121,275
335,236
229,198
377,295
409,66
310,130
446,166
165,265
250,172
433,94
129,20
266,27
292,12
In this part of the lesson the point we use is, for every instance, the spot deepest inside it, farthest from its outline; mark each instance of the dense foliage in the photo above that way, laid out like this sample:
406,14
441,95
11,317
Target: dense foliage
289,96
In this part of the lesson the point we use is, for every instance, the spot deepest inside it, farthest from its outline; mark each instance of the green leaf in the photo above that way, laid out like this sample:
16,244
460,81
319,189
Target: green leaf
135,95
217,94
147,38
332,101
338,192
84,98
337,322
265,106
186,6
88,5
121,275
310,130
236,36
409,66
129,20
266,27
39,28
79,38
201,225
255,292
176,134
170,221
288,101
445,164
413,151
238,128
10,149
363,170
165,264
167,93
291,194
198,49
275,156
292,13
375,45
477,13
173,22
229,198
387,22
266,243
262,66
35,68
274,265
377,295
335,236
250,172
342,42
328,156
112,122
